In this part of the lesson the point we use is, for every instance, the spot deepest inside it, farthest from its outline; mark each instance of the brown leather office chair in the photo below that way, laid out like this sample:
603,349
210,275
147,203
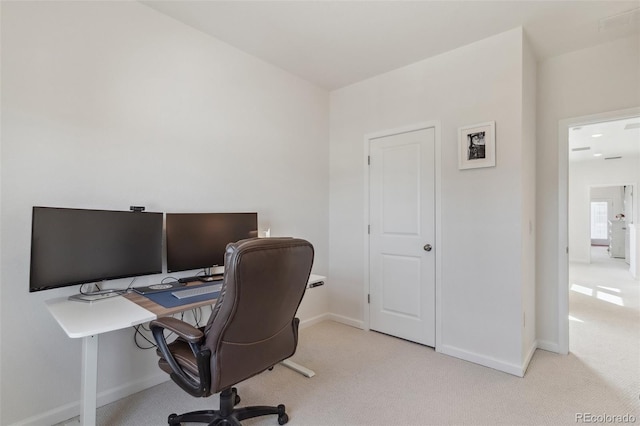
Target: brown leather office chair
252,328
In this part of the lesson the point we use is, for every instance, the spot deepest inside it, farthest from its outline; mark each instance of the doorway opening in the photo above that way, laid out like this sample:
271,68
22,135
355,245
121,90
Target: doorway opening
603,300
599,163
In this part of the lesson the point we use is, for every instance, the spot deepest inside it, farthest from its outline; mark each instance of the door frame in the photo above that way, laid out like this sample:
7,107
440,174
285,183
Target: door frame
563,213
435,124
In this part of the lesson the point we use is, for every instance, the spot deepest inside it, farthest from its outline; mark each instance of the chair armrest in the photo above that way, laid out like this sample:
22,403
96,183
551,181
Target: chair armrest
194,337
185,330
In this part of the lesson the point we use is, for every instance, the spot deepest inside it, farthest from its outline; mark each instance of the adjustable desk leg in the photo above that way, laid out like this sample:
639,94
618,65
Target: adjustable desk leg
89,384
297,367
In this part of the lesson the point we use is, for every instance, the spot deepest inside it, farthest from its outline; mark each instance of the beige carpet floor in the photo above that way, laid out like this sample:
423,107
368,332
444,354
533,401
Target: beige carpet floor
367,378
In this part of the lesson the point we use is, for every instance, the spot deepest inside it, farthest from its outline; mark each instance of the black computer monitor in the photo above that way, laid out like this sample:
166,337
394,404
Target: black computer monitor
199,240
78,246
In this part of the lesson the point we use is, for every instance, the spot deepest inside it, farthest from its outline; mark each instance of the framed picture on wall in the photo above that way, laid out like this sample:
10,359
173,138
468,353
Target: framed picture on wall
477,146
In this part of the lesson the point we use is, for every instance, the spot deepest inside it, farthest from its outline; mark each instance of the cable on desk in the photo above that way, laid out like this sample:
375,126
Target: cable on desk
137,333
198,316
115,290
131,284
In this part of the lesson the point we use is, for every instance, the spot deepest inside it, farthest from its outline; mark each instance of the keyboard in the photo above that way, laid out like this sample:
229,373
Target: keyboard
196,291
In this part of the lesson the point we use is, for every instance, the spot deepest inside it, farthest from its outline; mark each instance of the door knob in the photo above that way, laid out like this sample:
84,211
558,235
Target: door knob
427,247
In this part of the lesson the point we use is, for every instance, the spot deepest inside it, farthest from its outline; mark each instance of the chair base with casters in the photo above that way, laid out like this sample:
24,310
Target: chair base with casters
228,414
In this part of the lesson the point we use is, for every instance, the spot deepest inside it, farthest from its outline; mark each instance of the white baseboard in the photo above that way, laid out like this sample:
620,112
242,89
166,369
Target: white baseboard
527,359
332,317
546,345
516,370
68,411
346,320
53,416
114,394
314,320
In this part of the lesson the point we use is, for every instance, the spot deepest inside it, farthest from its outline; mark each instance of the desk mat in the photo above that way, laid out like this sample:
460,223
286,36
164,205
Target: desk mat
167,300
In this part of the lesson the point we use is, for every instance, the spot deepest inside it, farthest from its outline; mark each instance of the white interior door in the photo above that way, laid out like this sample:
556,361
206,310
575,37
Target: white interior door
402,235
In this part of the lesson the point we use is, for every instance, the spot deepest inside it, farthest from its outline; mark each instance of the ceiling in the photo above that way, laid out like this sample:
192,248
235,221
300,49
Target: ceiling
605,141
336,43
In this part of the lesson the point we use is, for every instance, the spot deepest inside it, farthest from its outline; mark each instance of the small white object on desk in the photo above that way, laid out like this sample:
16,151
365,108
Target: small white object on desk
315,281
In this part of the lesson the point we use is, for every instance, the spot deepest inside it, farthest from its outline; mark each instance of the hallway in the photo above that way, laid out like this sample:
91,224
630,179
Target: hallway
604,306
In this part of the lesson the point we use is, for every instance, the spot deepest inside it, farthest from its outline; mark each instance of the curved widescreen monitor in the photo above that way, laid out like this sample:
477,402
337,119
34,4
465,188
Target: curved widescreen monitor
199,240
78,246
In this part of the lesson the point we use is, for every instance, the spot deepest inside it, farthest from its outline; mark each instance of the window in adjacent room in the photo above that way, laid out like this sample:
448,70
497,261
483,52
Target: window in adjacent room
599,219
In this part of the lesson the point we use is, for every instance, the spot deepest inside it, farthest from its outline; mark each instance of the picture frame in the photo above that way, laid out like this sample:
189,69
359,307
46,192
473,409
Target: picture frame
477,146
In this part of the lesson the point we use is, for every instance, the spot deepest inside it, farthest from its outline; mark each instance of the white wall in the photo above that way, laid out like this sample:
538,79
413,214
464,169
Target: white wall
482,209
582,177
109,104
585,82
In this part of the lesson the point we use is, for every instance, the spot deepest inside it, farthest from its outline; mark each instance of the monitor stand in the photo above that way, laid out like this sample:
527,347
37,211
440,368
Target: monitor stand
94,295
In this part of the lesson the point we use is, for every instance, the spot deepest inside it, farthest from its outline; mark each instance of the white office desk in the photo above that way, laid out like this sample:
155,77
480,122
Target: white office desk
89,320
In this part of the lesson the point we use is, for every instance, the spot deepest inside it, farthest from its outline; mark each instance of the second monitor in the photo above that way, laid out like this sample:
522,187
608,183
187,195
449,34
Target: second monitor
199,240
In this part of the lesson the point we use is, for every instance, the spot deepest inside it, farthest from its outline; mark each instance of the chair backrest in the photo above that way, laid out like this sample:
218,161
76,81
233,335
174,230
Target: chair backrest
253,325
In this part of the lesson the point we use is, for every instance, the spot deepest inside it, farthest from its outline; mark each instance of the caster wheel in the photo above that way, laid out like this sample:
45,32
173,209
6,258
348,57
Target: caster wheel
172,420
236,400
282,416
